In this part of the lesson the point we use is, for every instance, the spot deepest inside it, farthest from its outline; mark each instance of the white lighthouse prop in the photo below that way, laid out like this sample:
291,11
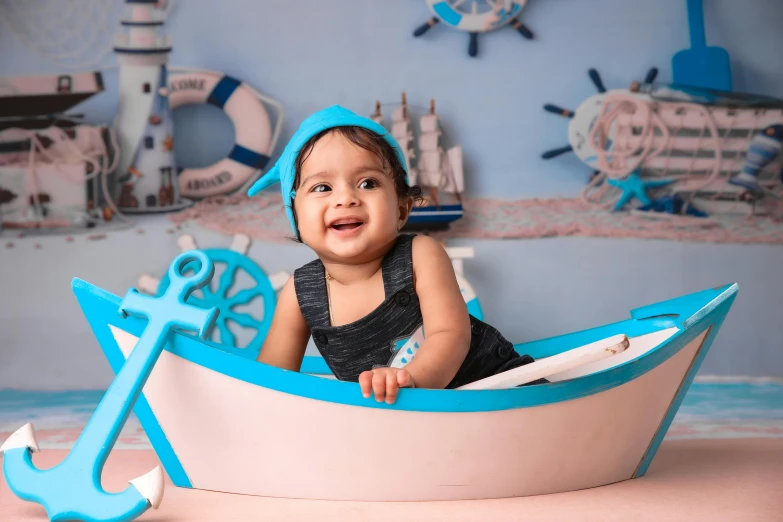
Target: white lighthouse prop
147,172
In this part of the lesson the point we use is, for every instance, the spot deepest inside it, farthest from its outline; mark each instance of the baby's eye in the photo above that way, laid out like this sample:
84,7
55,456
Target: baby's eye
368,184
320,188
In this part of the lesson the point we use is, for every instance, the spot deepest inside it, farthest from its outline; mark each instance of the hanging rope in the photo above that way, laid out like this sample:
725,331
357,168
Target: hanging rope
629,150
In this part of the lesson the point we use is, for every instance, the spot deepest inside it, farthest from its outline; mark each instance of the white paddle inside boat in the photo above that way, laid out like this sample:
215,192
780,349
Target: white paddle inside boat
552,365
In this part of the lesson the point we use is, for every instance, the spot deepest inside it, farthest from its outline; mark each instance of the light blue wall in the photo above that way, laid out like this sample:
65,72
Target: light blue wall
529,290
312,53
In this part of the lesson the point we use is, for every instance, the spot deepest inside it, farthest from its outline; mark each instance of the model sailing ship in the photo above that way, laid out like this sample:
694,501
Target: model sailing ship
437,170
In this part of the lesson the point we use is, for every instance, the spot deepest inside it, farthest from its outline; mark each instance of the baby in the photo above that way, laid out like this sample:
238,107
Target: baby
373,293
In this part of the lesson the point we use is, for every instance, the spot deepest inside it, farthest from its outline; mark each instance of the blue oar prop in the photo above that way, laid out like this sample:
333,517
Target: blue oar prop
72,489
701,66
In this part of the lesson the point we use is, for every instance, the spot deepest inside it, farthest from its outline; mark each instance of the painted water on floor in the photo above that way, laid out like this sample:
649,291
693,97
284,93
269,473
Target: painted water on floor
751,408
60,416
725,409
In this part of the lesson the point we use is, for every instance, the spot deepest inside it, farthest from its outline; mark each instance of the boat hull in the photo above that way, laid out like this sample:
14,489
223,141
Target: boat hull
222,423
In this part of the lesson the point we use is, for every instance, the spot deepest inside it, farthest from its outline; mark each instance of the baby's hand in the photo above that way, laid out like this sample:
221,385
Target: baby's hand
385,382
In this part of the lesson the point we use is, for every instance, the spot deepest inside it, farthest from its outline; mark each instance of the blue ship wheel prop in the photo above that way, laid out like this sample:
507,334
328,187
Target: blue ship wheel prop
221,297
476,16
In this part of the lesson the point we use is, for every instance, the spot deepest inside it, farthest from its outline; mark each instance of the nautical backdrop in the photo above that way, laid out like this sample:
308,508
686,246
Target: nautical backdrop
311,54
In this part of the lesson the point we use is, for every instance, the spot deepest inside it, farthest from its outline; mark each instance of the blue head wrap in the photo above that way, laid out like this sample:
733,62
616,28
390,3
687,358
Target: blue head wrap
284,170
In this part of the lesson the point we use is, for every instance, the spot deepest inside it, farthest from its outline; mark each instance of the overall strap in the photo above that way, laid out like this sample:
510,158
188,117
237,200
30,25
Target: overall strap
397,266
310,286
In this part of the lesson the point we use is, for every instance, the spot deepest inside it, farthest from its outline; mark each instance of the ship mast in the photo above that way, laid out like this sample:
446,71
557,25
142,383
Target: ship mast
430,164
377,117
400,129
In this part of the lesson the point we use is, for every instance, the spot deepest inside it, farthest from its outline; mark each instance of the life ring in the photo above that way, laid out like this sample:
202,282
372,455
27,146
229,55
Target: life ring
252,128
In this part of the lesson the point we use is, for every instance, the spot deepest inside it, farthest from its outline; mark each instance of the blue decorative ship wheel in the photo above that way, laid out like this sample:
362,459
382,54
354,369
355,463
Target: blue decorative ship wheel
220,294
476,16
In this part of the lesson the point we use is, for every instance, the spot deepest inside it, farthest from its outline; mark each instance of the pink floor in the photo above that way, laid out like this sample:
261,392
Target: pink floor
693,480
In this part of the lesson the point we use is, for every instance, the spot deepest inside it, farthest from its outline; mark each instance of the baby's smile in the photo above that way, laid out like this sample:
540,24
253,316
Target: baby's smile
346,226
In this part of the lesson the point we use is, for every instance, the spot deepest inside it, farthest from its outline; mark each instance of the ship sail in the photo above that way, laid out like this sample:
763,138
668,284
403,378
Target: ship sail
401,130
430,168
455,180
434,168
439,169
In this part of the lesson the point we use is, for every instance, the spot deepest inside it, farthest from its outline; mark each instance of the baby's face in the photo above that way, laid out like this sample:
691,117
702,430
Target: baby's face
346,207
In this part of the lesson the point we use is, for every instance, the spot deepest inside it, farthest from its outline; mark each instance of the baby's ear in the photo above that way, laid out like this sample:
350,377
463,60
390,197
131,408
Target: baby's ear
406,204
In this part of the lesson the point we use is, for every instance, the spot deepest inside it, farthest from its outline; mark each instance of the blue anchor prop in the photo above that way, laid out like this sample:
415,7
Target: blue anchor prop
72,490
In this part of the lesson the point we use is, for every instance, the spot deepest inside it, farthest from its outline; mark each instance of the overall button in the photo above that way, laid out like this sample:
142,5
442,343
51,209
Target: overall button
475,328
504,350
402,298
321,338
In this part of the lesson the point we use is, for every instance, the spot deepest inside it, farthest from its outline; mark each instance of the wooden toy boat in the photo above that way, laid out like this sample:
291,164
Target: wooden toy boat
224,423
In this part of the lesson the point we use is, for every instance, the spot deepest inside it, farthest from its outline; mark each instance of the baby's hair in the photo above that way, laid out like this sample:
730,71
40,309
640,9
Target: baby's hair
370,141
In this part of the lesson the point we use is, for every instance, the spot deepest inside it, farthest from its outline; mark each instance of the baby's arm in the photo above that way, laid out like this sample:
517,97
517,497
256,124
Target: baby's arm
446,328
446,321
286,341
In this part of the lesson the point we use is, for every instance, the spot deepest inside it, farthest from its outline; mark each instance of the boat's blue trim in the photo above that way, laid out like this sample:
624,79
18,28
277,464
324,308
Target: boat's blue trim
149,422
686,383
100,308
315,364
681,312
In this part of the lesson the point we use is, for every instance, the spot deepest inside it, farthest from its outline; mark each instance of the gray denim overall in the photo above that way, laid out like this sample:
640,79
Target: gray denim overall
376,339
